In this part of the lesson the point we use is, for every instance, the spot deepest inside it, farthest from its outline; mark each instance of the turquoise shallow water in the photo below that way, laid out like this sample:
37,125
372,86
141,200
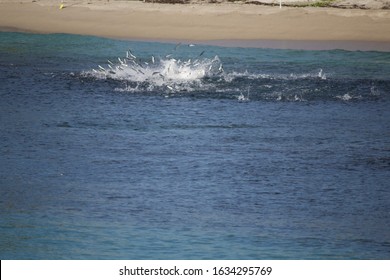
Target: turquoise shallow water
191,152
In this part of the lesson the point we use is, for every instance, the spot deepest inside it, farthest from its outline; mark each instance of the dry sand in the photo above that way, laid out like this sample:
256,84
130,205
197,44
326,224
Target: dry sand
230,22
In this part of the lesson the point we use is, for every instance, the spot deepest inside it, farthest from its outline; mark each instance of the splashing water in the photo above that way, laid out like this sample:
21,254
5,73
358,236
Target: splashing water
176,74
155,73
202,74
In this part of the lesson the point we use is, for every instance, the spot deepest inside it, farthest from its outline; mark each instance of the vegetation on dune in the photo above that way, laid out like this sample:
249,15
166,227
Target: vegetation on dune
319,3
302,3
168,1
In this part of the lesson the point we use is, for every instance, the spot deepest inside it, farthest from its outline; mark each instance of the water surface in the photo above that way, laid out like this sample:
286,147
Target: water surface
191,152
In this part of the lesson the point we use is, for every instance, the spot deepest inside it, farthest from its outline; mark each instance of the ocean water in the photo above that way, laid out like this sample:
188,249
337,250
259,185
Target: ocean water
115,149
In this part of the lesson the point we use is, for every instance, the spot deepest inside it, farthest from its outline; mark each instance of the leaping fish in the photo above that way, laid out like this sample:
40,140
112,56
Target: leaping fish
130,55
177,46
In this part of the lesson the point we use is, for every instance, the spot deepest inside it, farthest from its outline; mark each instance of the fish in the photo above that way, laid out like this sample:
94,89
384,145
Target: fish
177,46
130,55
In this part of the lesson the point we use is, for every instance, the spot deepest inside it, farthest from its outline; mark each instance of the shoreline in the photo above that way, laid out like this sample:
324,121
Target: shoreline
223,24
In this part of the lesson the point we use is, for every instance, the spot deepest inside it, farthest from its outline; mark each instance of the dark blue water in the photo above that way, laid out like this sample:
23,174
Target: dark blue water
236,154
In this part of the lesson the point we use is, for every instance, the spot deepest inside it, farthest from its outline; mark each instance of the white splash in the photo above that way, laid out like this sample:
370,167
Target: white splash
345,97
348,97
321,75
229,77
374,91
156,72
242,97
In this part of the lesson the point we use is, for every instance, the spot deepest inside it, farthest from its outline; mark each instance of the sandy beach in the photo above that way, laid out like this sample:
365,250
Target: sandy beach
218,22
